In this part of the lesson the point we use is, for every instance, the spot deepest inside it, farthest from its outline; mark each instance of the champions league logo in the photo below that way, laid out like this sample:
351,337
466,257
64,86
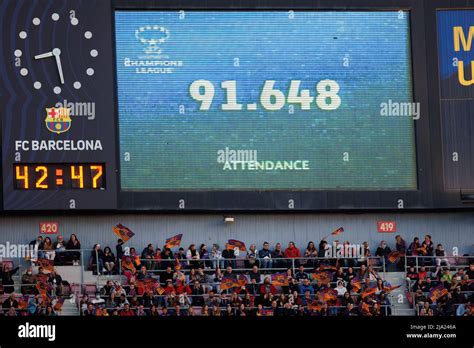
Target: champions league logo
152,36
153,62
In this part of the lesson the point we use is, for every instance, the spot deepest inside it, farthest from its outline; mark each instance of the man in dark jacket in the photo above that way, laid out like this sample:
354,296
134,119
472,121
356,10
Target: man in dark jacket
147,256
265,256
7,278
229,256
278,254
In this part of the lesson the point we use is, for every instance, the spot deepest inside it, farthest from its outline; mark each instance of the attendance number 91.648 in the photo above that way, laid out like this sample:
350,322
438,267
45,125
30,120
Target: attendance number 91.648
271,98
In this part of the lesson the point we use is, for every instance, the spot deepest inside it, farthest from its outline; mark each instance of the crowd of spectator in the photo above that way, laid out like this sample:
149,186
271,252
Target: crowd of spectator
274,281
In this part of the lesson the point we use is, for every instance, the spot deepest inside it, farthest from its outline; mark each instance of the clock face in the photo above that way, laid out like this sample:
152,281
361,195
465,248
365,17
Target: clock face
47,54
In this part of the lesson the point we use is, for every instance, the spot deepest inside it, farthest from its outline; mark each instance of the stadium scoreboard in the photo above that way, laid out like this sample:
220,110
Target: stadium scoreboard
149,105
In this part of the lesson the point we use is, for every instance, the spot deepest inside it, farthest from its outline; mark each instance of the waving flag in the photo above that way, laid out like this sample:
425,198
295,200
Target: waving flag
266,312
389,288
127,264
338,231
369,292
322,278
48,265
124,233
242,280
59,304
234,243
314,307
327,295
327,268
394,256
146,285
43,290
173,241
23,302
438,292
279,279
356,285
228,283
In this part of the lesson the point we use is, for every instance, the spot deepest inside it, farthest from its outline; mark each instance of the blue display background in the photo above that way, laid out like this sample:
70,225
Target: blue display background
173,151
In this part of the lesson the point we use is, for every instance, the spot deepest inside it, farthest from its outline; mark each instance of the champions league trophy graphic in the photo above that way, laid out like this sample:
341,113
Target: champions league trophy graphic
152,36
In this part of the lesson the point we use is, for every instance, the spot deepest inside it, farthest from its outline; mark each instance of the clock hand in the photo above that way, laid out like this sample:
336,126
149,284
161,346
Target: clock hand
44,55
57,53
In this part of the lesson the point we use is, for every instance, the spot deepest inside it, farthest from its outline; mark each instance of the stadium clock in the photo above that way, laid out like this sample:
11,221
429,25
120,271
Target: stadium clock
45,63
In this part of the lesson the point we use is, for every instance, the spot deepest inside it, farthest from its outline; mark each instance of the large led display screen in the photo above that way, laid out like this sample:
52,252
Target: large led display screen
265,100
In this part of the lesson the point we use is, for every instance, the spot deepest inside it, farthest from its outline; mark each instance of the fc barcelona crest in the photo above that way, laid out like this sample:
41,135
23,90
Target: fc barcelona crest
57,120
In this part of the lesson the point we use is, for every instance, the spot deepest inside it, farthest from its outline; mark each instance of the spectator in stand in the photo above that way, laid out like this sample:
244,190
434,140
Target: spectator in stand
309,253
216,257
426,310
109,260
197,293
192,256
167,275
251,257
255,274
441,256
60,248
7,278
427,249
37,244
143,274
97,259
412,278
106,292
422,274
412,251
470,272
49,312
157,259
306,286
90,311
56,282
340,288
10,302
228,254
148,256
126,311
180,255
267,287
204,256
301,275
464,309
28,282
383,250
276,255
400,244
73,244
292,252
119,250
48,248
265,256
166,258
